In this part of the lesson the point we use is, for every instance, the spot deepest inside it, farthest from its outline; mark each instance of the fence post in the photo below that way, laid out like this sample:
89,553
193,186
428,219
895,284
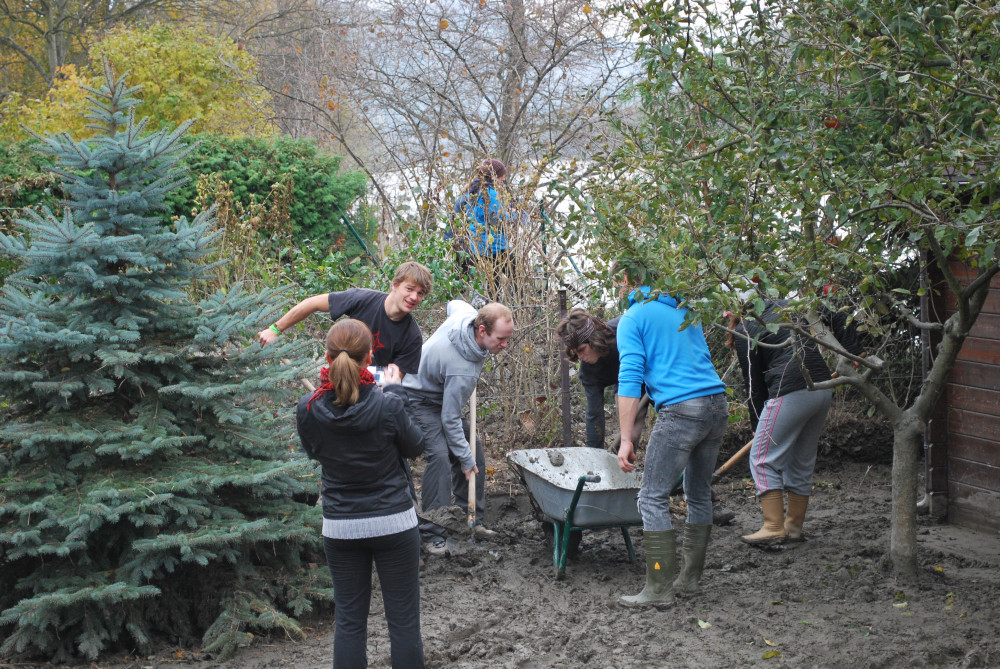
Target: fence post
564,373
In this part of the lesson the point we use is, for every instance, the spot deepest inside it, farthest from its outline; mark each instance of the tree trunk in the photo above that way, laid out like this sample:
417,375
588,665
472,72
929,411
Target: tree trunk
906,446
513,80
55,36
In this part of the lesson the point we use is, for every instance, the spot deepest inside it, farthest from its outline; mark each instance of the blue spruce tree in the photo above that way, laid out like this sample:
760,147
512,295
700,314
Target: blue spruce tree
147,461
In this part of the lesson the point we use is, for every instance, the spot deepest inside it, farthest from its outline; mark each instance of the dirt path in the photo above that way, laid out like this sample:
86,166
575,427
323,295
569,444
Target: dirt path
826,603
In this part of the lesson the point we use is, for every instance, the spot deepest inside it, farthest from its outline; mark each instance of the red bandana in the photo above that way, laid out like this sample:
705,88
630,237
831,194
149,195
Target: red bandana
366,379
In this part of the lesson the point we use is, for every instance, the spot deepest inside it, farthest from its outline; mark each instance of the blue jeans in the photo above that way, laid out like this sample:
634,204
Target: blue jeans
397,559
685,440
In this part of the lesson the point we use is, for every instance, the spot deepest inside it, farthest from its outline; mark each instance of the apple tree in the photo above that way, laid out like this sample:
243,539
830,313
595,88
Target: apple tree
797,144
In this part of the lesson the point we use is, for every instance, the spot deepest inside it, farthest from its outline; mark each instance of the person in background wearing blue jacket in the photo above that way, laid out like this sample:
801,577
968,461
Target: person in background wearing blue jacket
360,434
691,420
485,207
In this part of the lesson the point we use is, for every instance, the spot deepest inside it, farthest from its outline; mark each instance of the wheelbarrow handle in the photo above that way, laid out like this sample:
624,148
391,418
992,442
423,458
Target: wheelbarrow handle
592,478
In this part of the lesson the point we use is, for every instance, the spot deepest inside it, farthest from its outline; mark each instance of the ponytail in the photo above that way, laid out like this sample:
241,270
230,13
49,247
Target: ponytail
348,344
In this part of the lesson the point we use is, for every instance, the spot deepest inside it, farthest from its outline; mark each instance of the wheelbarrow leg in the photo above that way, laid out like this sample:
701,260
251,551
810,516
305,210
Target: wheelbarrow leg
628,543
560,538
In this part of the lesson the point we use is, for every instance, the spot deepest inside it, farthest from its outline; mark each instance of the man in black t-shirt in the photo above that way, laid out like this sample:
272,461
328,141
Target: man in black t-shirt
396,336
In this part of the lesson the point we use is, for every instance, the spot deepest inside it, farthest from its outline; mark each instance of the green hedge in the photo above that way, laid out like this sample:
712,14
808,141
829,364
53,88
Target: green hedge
321,192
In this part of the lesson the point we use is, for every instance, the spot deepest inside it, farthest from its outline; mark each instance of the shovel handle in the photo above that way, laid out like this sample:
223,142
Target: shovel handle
727,465
472,500
472,447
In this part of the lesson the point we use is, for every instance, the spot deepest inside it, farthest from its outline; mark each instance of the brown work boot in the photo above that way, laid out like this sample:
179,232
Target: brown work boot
773,530
795,516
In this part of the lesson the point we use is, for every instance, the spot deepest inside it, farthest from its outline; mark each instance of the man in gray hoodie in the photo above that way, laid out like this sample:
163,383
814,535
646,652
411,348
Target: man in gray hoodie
450,364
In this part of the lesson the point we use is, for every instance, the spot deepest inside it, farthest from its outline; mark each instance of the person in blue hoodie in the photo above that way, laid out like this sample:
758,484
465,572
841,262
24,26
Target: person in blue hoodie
360,434
450,364
676,368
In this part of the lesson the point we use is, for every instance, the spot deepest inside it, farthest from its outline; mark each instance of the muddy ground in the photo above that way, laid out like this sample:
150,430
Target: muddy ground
829,602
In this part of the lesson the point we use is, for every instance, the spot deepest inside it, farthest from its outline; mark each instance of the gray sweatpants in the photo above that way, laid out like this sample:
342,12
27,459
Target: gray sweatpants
783,455
443,477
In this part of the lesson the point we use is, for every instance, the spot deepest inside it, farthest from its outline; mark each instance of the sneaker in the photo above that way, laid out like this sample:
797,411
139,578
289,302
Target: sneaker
436,547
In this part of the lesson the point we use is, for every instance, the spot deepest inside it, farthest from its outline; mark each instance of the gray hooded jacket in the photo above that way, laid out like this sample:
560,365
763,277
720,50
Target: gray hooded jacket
449,370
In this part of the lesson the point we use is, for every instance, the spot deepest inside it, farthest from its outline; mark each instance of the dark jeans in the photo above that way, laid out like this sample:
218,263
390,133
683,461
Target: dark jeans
397,559
443,477
595,418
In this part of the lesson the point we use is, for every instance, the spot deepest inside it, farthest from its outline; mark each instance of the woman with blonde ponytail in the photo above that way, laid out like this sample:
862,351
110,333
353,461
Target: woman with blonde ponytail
360,434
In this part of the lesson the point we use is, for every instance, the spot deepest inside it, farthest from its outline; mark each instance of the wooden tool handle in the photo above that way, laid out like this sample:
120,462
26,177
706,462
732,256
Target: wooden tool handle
727,465
472,447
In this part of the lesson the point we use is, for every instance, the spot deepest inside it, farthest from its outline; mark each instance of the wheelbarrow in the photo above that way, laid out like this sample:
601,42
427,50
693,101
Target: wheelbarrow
576,489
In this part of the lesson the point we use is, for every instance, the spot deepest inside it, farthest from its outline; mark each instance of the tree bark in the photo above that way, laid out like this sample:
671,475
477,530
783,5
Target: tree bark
906,447
513,81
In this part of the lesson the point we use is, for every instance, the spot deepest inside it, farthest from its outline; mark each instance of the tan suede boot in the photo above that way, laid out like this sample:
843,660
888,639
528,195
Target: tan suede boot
661,564
795,516
773,529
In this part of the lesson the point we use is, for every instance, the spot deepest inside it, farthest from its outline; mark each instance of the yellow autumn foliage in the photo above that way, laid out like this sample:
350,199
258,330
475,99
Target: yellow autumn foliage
186,73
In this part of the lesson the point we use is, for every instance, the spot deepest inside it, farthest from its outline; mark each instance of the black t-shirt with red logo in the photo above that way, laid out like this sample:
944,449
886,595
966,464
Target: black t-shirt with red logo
396,342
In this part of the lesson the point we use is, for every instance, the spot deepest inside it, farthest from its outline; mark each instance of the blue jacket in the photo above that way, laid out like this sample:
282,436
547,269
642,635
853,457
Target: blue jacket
675,364
486,223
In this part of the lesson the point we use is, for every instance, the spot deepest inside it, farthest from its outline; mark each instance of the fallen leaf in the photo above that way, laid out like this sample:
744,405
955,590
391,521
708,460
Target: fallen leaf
443,24
704,625
769,642
771,653
901,605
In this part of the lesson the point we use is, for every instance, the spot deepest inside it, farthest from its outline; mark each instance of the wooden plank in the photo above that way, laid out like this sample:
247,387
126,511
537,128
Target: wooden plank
973,507
977,400
974,474
966,274
981,351
987,326
973,424
975,375
990,306
974,449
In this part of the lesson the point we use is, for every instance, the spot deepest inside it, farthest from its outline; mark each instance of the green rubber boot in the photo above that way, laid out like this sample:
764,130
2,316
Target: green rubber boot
692,558
661,563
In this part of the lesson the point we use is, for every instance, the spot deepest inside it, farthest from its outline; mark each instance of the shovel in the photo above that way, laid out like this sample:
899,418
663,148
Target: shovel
728,464
472,479
455,519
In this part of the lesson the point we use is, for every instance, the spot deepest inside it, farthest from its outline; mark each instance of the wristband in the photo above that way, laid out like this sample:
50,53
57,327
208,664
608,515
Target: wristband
275,329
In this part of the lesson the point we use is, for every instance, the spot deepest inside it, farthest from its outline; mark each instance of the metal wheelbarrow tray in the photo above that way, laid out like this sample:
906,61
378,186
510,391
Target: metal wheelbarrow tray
576,489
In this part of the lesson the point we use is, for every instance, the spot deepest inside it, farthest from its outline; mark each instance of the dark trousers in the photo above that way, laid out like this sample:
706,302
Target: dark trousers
397,559
443,477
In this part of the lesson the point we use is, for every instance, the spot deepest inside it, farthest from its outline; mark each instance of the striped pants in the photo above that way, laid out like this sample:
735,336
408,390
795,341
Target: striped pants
783,455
